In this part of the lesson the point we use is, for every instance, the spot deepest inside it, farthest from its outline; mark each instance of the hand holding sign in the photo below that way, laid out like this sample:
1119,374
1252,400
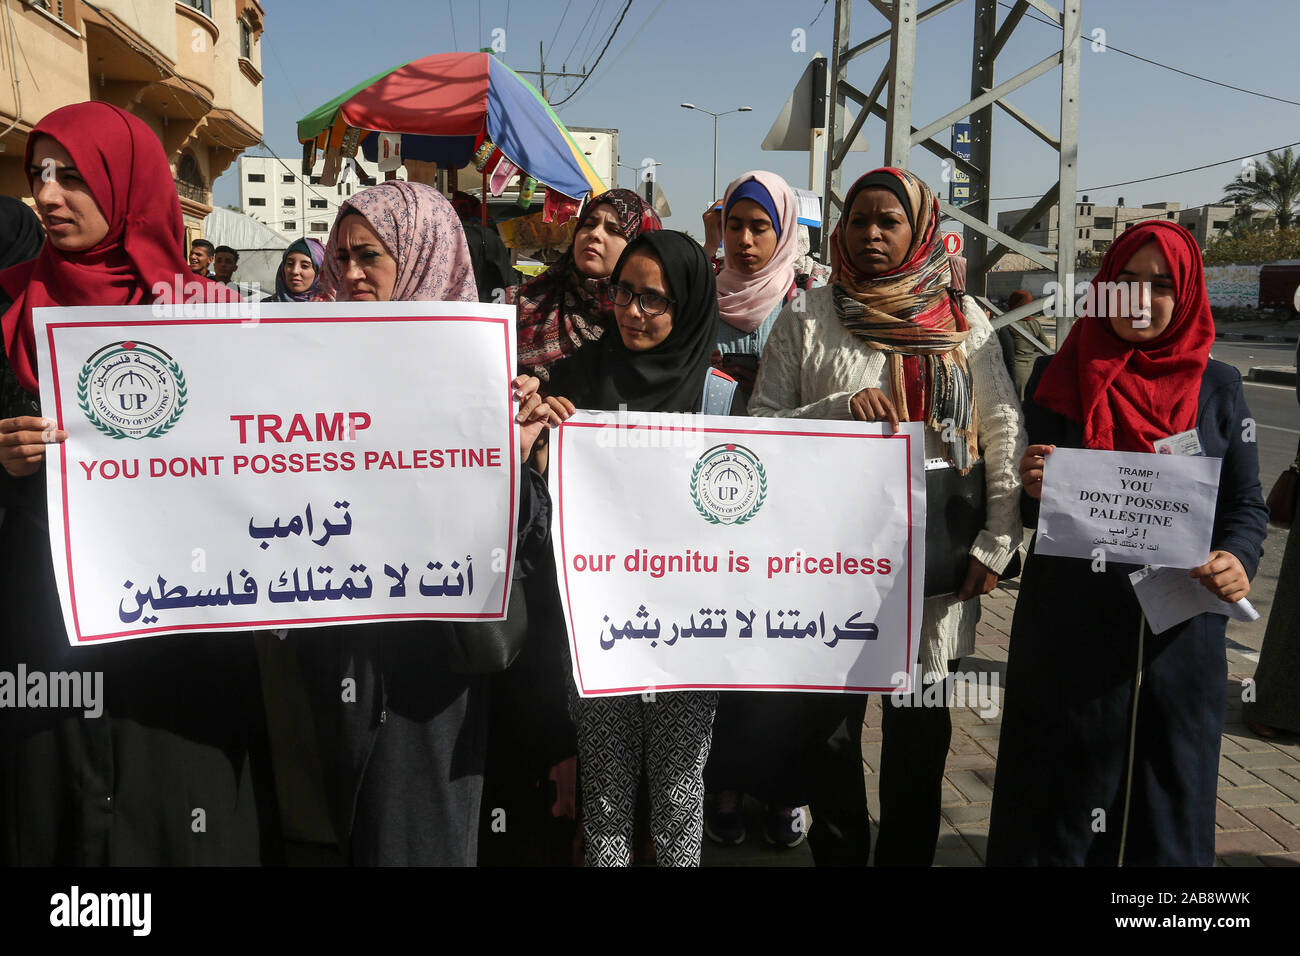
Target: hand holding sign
1223,576
23,441
1032,464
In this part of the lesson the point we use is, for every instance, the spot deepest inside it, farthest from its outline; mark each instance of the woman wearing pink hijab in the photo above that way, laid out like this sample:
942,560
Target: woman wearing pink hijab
403,756
760,224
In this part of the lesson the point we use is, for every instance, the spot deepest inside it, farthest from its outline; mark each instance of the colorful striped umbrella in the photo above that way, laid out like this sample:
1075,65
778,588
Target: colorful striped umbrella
444,106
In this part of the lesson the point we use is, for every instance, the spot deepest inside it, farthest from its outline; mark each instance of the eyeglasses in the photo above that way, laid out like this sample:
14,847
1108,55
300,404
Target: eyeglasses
650,303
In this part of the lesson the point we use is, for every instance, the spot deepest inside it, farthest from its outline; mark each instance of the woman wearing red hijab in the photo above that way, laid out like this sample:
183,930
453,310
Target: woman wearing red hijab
1109,752
173,769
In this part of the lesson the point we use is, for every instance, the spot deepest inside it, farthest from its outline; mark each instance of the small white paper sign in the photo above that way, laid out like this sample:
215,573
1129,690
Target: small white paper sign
1129,507
1170,596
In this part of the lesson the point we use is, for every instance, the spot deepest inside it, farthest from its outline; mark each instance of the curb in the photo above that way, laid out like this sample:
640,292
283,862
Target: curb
1257,337
1273,374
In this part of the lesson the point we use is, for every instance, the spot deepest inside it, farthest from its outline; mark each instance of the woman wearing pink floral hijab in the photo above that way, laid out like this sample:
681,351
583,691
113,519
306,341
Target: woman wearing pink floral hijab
406,245
402,734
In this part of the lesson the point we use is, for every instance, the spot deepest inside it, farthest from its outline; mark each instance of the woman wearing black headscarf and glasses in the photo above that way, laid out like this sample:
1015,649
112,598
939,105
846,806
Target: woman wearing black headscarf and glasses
665,305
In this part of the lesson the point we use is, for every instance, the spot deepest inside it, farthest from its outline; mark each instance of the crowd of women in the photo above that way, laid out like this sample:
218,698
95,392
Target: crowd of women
432,754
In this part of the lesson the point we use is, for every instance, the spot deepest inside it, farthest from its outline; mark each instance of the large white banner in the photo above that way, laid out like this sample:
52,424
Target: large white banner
1128,506
699,552
324,463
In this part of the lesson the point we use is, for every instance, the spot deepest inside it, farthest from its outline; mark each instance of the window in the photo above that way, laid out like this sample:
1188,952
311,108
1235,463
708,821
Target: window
290,201
256,177
1038,225
286,178
340,188
245,41
349,189
315,180
290,224
257,201
319,204
1105,222
320,227
53,7
203,6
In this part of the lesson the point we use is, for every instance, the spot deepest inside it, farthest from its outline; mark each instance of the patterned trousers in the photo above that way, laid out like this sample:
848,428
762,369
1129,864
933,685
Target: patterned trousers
670,735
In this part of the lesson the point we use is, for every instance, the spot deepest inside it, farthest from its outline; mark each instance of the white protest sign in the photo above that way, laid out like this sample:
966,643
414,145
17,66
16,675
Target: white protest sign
328,463
1170,596
702,552
1127,506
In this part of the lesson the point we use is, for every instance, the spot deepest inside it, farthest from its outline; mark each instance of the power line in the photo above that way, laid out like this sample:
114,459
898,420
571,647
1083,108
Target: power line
1147,179
594,37
1166,66
583,81
582,29
819,14
568,4
454,42
627,46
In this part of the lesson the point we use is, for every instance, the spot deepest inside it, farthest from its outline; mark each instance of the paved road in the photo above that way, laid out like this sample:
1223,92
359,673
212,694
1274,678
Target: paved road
1277,418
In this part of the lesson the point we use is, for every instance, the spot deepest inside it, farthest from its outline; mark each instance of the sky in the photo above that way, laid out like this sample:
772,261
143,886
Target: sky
1135,120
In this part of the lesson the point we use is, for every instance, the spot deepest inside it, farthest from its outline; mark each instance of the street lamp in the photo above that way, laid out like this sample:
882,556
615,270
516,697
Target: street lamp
739,109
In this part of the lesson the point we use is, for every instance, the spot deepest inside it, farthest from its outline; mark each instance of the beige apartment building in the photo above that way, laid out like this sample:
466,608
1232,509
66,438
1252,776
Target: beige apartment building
192,70
1096,226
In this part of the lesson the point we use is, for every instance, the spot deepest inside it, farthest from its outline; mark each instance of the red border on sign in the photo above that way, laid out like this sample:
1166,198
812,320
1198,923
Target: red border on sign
564,563
82,639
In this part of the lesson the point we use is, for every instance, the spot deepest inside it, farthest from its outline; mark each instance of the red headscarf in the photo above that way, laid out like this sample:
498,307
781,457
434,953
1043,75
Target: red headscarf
1128,395
124,166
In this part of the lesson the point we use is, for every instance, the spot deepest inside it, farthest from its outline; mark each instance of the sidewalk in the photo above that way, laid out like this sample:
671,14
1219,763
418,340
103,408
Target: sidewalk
1259,780
1258,330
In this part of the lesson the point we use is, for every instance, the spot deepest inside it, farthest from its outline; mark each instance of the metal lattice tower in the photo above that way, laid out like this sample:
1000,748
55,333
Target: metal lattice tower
896,82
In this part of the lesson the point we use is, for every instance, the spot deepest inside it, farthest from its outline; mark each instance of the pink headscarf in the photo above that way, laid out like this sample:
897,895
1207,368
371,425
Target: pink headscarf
421,230
746,300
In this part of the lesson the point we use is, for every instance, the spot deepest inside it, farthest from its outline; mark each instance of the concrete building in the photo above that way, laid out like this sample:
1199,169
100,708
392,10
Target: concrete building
276,194
191,69
1096,227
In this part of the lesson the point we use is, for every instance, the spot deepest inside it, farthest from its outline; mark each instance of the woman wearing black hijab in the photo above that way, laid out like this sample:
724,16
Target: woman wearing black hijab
665,305
21,234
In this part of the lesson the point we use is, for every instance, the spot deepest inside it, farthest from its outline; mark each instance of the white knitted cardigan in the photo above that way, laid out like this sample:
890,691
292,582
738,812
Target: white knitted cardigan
812,366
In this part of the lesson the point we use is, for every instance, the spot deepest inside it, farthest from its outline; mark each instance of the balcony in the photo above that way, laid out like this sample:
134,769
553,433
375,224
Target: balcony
195,194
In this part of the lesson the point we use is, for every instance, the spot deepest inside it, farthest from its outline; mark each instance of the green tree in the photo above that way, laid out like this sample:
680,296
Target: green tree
1259,245
1272,186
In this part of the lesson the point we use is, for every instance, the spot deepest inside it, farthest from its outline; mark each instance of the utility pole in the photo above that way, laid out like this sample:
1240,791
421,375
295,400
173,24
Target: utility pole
891,99
541,74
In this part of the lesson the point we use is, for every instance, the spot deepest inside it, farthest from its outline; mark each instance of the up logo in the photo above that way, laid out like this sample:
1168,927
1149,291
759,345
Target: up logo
728,484
132,390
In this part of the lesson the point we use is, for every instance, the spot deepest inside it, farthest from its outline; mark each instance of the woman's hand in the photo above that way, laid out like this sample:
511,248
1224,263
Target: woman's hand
712,227
565,777
1224,576
979,580
23,441
873,405
561,408
533,415
1031,468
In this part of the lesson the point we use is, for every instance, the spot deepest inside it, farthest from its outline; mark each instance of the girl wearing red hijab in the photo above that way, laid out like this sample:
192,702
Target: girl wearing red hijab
1109,751
177,735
